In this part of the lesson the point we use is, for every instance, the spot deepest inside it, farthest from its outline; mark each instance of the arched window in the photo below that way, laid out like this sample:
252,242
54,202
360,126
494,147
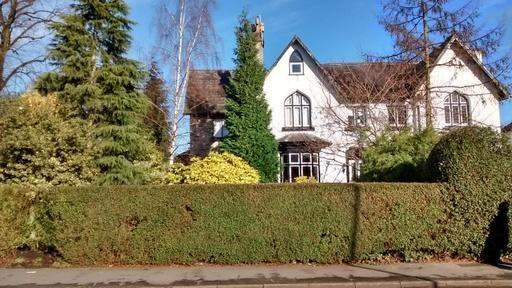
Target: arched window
456,110
297,111
296,63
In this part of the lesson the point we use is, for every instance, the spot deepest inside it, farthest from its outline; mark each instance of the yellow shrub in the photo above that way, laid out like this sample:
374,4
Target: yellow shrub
220,168
176,174
305,179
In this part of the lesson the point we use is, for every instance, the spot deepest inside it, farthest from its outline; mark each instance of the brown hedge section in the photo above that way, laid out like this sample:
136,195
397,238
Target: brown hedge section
227,224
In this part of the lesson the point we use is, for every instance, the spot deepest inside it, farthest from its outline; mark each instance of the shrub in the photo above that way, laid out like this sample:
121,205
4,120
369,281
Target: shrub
219,168
15,210
305,179
229,224
40,147
155,167
398,157
477,163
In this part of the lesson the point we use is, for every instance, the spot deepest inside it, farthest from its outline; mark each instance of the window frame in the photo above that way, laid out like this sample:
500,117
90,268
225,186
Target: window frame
287,165
220,132
450,106
301,110
296,59
352,119
394,115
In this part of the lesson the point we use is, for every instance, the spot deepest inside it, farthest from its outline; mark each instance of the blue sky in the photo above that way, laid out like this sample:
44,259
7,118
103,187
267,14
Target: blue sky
334,30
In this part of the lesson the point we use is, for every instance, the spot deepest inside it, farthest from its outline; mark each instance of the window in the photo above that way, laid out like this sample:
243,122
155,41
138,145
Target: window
219,129
297,111
456,110
358,117
353,157
299,164
296,63
397,115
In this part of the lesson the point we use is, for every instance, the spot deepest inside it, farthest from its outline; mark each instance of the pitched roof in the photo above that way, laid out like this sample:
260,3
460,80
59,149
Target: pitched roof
206,92
351,83
503,93
378,82
507,128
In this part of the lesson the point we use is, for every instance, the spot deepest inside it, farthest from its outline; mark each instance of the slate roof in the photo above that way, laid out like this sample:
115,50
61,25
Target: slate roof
206,92
376,82
206,88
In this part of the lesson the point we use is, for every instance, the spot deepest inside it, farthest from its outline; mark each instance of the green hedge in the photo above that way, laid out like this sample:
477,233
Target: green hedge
477,163
323,223
15,218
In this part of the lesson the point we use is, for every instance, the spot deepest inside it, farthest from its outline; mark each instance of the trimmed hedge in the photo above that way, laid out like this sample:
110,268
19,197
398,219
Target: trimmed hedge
228,224
15,217
477,163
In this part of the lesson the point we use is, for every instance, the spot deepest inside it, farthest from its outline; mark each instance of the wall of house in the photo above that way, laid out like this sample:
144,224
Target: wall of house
201,135
279,84
455,71
329,117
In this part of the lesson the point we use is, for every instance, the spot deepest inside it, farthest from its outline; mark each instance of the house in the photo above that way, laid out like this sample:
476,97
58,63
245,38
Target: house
320,112
507,130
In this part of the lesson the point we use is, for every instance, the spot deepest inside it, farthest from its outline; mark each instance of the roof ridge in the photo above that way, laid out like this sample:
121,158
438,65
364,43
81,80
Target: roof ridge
211,70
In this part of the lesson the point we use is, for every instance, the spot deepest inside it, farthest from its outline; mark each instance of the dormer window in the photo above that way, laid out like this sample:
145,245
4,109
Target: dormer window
296,63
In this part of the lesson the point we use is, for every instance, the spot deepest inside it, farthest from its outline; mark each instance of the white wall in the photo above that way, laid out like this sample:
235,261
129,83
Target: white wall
456,72
279,84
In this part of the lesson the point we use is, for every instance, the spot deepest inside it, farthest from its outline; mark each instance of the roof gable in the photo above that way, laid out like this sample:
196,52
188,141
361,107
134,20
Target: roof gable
295,41
454,40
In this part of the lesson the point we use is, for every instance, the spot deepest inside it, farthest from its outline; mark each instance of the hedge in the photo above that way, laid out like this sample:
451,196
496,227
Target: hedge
324,223
16,218
477,163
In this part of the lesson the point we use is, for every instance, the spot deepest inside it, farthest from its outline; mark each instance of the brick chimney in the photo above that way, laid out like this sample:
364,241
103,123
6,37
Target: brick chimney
259,29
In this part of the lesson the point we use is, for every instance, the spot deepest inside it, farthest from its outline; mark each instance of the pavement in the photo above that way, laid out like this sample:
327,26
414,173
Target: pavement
267,276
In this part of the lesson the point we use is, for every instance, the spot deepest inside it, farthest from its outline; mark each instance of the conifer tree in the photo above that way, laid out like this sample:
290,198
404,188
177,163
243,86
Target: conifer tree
247,112
157,116
97,82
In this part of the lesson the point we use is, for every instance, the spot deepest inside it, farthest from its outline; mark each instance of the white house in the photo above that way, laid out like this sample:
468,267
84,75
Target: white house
319,111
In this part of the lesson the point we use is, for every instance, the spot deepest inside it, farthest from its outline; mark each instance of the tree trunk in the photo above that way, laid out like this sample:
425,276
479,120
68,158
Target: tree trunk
426,59
173,133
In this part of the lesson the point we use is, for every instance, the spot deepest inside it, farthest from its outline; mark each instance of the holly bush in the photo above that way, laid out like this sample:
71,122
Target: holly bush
40,147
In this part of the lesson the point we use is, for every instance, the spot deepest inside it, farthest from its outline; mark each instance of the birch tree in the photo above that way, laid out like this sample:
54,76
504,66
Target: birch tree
186,37
419,26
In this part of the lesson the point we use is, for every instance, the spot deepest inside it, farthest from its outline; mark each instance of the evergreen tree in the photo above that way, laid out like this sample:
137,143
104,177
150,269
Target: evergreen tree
156,118
97,82
247,112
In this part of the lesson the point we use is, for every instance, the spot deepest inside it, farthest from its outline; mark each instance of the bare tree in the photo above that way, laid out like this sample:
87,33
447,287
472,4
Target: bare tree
22,32
186,37
361,101
376,86
419,26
